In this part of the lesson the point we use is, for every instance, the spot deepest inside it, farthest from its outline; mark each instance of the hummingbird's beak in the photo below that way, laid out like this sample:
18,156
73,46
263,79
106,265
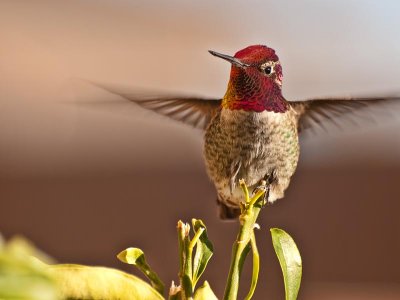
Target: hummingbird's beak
231,59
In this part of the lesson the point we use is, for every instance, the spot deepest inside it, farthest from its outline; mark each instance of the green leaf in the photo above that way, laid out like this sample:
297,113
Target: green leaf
21,246
99,283
204,250
290,261
204,292
22,276
135,256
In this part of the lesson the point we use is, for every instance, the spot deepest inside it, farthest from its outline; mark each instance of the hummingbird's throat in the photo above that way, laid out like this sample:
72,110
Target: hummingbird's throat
257,102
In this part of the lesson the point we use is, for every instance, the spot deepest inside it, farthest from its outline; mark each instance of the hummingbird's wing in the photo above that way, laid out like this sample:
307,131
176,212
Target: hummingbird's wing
319,111
194,111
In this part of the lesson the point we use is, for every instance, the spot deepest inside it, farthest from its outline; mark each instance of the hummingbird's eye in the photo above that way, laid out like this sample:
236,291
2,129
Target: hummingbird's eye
268,70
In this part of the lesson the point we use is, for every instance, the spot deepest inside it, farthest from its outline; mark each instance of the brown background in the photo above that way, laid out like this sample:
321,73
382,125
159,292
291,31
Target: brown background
84,174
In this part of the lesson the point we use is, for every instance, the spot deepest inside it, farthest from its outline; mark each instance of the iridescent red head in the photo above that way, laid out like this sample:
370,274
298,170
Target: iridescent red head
255,81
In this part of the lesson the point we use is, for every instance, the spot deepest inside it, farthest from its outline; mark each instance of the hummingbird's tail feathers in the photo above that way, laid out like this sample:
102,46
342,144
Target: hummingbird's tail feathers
194,111
355,110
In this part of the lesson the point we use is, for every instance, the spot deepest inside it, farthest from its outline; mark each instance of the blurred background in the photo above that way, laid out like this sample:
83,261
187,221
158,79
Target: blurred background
84,174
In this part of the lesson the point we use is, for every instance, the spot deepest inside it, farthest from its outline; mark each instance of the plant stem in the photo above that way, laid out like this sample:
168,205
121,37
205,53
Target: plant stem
181,238
195,239
250,211
174,292
185,259
256,266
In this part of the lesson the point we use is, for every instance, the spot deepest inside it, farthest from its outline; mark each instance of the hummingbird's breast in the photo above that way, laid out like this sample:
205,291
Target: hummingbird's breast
253,146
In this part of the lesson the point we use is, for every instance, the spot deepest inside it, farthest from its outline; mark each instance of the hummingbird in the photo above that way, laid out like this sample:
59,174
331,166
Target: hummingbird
252,133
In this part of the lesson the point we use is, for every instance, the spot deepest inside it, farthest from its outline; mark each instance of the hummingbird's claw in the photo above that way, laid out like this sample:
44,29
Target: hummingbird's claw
262,187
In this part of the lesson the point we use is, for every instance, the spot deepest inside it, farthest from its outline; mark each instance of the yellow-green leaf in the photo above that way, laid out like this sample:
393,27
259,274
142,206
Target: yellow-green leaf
204,250
290,261
205,292
99,283
135,256
21,276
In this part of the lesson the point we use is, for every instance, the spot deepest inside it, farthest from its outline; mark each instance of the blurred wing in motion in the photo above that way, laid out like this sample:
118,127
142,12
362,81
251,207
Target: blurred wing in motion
318,112
193,111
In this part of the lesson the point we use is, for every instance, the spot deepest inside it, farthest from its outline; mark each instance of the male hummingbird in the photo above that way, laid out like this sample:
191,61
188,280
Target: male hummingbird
252,133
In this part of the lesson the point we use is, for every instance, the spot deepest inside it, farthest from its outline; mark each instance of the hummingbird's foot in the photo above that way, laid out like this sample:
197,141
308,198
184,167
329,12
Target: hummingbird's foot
262,187
265,185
